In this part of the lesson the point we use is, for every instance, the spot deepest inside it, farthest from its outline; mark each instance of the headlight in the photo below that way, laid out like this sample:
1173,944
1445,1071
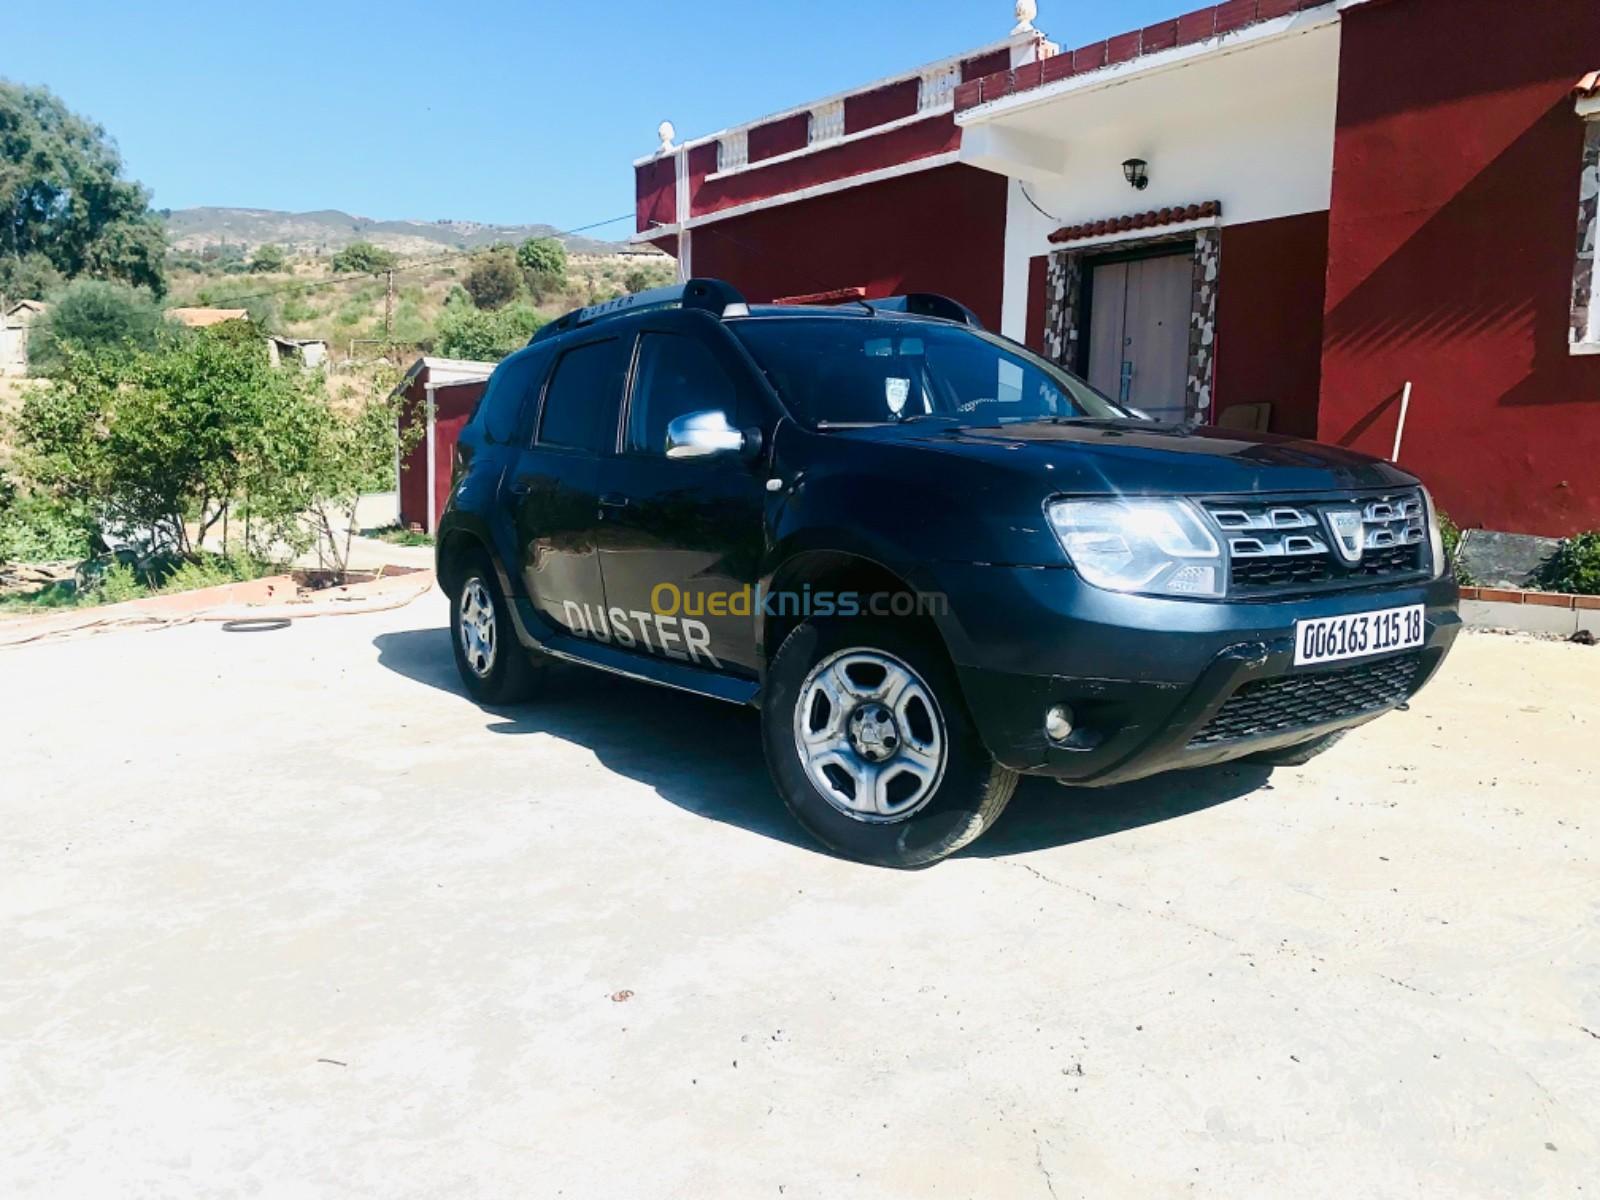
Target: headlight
1154,547
1435,537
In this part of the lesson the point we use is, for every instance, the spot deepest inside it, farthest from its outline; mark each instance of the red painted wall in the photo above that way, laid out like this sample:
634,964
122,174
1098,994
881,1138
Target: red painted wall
780,137
866,110
452,405
1038,303
654,189
941,231
1269,319
1452,240
921,139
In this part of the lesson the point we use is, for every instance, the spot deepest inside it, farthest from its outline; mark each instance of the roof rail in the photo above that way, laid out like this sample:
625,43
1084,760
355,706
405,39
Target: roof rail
928,304
709,295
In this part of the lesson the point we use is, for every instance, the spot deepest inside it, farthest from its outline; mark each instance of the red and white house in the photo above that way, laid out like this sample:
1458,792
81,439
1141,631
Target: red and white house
1361,219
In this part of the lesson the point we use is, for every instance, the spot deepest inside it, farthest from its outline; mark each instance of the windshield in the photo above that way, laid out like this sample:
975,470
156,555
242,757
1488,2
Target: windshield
864,371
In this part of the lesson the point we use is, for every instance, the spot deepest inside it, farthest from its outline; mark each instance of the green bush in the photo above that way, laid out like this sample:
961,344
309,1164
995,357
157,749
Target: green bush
268,258
494,280
214,570
1575,566
118,583
37,528
364,258
93,315
485,336
1451,535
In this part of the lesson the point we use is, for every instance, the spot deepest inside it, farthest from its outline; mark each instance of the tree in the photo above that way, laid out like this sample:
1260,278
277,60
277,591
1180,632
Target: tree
162,444
31,277
494,281
363,258
544,265
466,332
63,197
268,258
92,315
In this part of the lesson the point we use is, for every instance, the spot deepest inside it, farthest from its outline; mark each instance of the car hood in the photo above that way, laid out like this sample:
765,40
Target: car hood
1141,457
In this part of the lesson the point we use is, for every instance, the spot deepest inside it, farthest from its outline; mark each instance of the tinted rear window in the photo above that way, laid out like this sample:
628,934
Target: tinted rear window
580,405
504,403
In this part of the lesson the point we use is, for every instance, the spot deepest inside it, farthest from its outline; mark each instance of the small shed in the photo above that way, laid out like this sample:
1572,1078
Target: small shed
15,324
440,394
310,353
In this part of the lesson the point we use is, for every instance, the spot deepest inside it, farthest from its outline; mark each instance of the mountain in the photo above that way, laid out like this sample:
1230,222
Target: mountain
193,229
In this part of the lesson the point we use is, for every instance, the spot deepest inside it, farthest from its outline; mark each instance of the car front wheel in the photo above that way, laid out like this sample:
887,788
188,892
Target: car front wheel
869,743
491,662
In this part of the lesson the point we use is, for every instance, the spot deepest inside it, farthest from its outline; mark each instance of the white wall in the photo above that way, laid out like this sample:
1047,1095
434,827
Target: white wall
1252,128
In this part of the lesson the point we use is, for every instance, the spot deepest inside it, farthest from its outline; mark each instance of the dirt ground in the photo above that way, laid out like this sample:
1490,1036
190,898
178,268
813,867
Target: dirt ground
285,915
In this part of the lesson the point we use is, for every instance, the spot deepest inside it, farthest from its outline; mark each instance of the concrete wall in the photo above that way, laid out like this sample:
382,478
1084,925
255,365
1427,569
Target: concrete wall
1452,247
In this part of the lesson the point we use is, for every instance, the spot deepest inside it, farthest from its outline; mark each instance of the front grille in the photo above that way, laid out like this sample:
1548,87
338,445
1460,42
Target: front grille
1290,702
1283,546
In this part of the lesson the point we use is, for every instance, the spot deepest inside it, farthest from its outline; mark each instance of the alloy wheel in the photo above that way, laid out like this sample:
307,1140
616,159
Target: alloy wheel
477,625
870,735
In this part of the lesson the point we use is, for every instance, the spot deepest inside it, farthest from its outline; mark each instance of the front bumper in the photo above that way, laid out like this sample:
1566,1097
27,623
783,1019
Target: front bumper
1145,677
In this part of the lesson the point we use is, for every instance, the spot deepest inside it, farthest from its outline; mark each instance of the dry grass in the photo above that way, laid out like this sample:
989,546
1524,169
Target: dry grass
307,303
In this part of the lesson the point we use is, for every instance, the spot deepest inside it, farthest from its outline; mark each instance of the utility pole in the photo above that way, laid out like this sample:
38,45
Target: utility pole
388,310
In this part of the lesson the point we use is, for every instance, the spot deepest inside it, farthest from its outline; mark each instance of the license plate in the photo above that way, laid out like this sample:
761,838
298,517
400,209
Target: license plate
1331,639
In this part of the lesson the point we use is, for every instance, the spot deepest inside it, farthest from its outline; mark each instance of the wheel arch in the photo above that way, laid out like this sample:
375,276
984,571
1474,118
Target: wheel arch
837,571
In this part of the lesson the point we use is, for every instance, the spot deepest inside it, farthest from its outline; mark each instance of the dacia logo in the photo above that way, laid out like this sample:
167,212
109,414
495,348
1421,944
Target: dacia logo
1349,533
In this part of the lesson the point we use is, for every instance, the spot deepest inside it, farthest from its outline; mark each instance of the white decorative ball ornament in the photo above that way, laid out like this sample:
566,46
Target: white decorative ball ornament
666,133
1026,11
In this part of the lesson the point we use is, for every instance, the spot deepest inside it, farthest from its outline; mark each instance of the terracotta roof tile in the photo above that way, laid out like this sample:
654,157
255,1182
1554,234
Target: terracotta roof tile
1226,17
1154,219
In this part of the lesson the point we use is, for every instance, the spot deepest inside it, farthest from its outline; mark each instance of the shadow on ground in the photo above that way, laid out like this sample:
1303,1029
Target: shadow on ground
705,757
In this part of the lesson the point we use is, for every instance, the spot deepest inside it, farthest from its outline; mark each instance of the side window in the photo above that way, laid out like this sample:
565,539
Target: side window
505,400
580,405
676,375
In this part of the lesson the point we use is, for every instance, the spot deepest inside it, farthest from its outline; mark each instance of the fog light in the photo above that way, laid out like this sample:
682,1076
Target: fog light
1058,723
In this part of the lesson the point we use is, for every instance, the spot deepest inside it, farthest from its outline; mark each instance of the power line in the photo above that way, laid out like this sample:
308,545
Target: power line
353,276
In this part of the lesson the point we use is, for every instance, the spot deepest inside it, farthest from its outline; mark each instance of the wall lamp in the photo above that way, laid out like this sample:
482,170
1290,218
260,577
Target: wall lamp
1137,173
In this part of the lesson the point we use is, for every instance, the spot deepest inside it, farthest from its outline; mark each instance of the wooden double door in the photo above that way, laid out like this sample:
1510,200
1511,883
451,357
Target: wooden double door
1138,337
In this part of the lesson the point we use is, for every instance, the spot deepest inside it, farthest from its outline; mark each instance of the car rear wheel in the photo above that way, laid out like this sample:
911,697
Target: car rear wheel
491,662
869,742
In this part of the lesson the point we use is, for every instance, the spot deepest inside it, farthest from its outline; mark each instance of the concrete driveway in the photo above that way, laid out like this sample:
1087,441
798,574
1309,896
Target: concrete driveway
284,915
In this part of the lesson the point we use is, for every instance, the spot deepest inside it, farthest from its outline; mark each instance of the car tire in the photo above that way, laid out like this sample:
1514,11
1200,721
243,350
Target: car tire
827,715
492,663
1298,756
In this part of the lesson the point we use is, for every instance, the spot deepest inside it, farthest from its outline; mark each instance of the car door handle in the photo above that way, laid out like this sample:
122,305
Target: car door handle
613,500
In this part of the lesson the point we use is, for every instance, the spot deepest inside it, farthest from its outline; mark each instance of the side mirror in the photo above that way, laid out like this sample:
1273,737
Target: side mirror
703,434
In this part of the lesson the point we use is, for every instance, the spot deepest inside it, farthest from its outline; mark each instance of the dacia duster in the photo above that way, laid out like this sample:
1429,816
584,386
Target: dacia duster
933,559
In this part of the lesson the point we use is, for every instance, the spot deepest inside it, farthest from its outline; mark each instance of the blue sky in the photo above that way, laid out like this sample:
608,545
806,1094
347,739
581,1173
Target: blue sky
487,110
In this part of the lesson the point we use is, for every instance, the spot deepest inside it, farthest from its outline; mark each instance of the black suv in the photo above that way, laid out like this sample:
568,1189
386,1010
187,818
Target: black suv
933,559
